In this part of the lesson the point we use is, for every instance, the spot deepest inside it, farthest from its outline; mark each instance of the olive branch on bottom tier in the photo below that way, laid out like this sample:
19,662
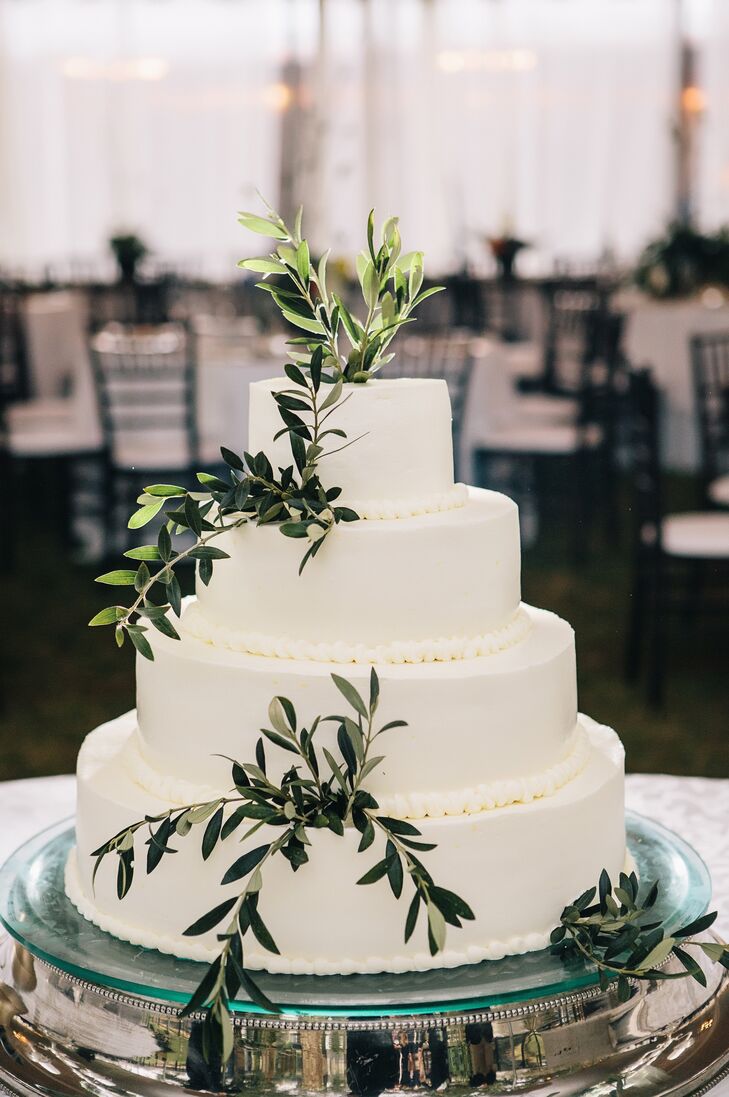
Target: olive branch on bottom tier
617,935
319,791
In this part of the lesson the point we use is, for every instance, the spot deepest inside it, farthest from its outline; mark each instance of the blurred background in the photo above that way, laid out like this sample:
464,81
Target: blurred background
564,164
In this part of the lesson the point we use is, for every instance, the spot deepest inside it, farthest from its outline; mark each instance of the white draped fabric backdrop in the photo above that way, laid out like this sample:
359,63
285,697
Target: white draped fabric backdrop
549,118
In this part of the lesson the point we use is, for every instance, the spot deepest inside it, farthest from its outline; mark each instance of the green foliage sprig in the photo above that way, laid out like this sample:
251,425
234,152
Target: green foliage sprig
617,935
293,498
683,261
391,284
318,791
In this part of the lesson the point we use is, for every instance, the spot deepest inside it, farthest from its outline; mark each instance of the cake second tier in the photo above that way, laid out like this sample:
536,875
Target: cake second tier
435,586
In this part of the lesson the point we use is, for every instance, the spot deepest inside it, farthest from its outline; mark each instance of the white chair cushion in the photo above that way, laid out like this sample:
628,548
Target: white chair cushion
163,450
523,359
548,409
719,491
52,439
698,534
52,409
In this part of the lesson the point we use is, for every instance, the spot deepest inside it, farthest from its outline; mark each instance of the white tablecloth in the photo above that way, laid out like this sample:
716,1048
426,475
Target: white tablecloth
222,385
657,335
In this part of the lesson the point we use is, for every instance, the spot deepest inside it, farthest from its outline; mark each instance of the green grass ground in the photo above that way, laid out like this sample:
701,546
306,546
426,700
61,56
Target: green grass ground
59,679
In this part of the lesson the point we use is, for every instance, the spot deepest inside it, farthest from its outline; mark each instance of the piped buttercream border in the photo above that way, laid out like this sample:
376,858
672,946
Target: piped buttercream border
416,805
493,794
444,649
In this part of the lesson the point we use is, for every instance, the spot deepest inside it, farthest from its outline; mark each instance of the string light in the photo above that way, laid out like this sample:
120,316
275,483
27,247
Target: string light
693,99
516,60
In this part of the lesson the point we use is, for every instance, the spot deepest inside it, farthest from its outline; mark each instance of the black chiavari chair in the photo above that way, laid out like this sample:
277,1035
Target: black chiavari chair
439,356
146,386
710,366
680,561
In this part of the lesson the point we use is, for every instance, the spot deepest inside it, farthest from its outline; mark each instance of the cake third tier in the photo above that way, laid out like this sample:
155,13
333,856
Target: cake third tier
481,731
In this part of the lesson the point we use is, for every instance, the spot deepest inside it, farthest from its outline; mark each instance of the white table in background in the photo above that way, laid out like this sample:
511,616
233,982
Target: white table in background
657,334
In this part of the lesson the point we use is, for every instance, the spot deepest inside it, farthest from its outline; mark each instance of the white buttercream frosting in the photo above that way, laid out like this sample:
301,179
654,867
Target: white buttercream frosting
509,714
492,794
399,444
516,866
385,509
485,796
192,949
442,649
452,573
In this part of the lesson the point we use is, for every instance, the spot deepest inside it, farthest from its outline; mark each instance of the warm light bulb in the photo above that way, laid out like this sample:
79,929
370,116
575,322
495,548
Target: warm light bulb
693,99
277,97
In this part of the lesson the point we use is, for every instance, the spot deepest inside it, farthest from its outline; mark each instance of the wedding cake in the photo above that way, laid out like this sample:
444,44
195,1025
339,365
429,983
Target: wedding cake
521,796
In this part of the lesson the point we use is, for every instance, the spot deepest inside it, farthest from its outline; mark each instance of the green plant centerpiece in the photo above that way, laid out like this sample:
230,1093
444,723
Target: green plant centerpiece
683,261
129,251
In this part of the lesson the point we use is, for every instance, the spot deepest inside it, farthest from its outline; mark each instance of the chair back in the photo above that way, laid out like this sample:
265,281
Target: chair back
145,381
574,309
710,366
13,361
226,340
644,441
440,356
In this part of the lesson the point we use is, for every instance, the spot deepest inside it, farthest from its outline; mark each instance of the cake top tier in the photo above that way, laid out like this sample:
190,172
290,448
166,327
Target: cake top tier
398,453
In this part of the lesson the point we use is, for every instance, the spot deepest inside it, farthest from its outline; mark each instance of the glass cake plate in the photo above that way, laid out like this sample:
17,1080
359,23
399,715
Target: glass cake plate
35,911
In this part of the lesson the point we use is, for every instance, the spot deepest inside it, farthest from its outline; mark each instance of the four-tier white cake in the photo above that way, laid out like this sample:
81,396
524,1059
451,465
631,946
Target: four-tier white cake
521,794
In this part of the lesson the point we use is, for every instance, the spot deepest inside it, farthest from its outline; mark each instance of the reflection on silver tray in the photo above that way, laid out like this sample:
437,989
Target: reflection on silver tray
83,1013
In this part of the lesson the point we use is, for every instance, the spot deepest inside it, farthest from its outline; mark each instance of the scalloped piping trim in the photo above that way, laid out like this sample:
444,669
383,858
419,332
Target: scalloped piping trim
285,965
494,794
384,509
176,790
443,650
434,805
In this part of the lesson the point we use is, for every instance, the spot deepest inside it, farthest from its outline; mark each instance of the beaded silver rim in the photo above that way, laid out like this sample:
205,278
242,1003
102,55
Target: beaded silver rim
384,1023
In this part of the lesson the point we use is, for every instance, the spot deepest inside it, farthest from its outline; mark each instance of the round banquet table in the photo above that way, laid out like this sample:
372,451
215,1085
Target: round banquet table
696,807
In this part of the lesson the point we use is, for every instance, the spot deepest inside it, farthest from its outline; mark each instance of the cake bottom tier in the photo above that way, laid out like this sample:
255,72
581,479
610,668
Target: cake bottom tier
516,866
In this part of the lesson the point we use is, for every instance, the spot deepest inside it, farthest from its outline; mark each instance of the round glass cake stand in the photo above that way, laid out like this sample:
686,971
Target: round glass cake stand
82,1012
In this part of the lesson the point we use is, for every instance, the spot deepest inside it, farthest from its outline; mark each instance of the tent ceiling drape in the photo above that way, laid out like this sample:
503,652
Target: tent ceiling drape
550,117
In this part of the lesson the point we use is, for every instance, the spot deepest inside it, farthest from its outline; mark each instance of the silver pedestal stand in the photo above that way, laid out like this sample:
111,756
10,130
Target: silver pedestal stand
82,1013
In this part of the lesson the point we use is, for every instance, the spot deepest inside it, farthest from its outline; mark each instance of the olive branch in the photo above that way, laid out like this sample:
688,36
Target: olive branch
293,498
318,791
391,284
616,934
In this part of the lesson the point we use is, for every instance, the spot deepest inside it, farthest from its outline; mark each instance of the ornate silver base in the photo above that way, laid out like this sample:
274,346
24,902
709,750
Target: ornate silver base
62,1037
